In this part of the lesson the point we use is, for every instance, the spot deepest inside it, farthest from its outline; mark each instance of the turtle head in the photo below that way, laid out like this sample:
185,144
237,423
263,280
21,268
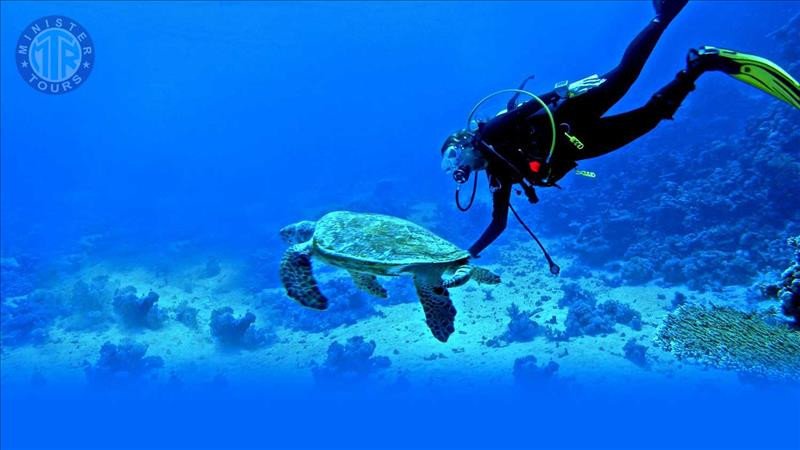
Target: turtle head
297,232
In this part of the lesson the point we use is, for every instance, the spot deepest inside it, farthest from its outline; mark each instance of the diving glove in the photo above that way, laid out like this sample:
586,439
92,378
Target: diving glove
753,70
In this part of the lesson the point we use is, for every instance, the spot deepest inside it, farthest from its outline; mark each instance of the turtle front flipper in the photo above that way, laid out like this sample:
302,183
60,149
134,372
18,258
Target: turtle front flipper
440,313
368,283
298,279
484,276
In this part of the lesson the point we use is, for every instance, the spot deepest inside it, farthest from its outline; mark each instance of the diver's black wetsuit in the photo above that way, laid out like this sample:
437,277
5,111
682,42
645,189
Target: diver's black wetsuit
509,141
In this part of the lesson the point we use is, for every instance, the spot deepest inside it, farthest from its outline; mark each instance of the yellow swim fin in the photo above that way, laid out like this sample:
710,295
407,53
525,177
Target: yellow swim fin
753,70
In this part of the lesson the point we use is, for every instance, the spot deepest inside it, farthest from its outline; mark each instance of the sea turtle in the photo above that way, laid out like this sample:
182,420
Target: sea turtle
367,245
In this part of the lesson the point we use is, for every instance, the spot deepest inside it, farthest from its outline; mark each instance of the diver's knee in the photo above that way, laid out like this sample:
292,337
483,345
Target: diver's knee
667,100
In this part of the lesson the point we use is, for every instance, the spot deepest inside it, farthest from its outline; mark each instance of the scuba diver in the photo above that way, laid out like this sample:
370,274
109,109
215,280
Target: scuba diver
537,142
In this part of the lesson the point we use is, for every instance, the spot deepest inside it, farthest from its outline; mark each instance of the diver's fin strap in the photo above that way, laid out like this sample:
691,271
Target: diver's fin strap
754,70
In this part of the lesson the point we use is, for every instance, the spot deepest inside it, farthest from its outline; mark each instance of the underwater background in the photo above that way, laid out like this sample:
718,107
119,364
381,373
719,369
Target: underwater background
139,214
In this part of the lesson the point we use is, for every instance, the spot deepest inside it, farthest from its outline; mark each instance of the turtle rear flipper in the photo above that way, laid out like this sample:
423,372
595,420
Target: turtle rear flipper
298,279
464,273
368,283
440,313
484,276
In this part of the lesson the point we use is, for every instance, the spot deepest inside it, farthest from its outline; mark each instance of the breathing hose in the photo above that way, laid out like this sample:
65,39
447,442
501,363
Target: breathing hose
554,268
471,197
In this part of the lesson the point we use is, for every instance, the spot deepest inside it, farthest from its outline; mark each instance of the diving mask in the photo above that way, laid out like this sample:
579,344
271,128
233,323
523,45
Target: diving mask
454,163
452,158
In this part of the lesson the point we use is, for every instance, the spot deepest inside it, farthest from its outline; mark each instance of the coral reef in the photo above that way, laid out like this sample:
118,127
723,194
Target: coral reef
636,353
678,300
583,319
211,269
590,318
122,364
135,311
16,276
788,290
528,374
636,270
238,333
26,320
621,314
90,305
348,305
521,328
349,362
587,317
730,339
573,293
91,296
186,315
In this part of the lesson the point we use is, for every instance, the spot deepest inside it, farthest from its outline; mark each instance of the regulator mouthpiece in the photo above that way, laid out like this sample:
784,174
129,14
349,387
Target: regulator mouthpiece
461,175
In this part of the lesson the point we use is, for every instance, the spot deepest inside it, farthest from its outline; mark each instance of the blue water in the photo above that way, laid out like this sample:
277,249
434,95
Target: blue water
206,127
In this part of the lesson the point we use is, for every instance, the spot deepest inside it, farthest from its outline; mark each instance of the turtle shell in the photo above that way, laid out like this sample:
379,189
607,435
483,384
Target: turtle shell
382,240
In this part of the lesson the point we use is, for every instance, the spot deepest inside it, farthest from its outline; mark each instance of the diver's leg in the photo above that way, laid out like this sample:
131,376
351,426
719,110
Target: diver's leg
610,133
598,100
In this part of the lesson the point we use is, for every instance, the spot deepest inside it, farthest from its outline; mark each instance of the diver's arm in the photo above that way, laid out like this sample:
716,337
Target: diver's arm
500,201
